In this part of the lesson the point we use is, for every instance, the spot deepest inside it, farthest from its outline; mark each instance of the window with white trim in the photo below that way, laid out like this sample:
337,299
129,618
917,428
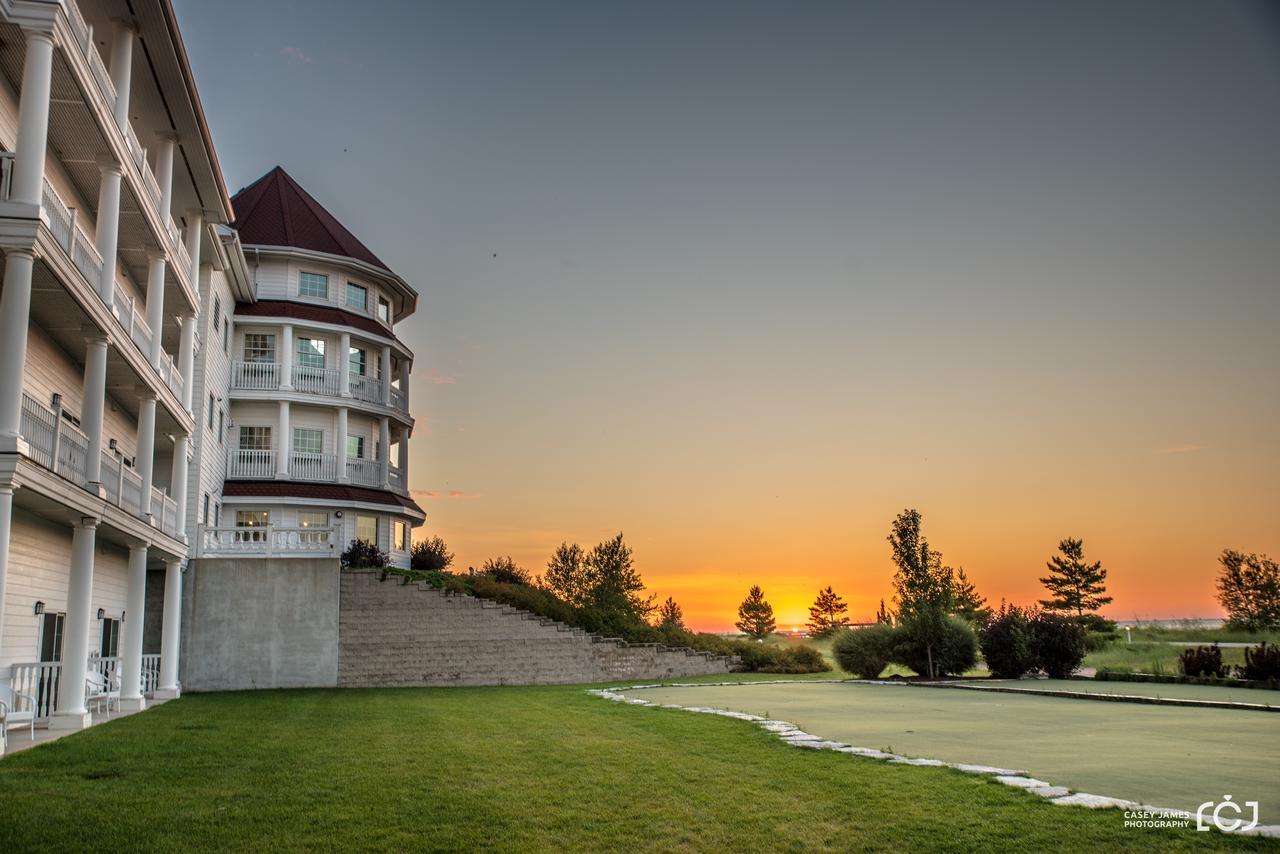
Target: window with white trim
367,529
355,447
356,361
357,296
400,535
313,519
307,440
255,438
384,310
253,524
313,285
109,644
310,353
259,347
204,510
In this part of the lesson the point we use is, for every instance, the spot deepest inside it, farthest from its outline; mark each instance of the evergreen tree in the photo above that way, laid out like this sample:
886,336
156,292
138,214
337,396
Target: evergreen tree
1075,587
755,615
925,588
567,575
670,616
828,613
970,606
883,615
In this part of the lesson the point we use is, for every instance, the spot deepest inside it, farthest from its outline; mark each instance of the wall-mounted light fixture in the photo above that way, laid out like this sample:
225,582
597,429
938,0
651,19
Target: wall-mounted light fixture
39,608
101,613
57,400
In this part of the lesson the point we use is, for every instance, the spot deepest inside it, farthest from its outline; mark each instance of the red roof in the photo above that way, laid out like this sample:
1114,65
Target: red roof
275,211
317,313
317,491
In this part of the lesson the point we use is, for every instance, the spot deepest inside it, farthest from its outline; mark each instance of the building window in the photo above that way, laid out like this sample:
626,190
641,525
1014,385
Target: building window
367,529
217,313
307,441
310,353
313,519
217,514
51,626
356,362
253,524
204,510
401,536
211,405
110,644
259,347
313,285
357,296
355,447
221,424
226,337
384,310
255,438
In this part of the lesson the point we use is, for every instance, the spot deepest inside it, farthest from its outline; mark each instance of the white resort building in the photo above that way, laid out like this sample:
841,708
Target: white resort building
183,375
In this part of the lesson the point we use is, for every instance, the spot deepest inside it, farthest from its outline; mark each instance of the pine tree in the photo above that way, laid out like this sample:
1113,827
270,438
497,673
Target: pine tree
670,616
827,614
970,605
883,615
925,587
755,615
1074,586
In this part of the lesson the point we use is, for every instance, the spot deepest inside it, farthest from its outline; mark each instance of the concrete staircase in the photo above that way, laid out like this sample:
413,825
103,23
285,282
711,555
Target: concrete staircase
394,634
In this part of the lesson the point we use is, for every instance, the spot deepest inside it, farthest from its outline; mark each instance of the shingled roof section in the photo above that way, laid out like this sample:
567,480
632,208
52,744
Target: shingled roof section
318,491
318,313
275,211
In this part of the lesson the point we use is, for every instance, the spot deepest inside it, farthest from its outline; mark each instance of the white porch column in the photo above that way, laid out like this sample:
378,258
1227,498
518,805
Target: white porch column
342,445
285,442
195,225
187,358
6,528
94,401
121,69
155,303
164,173
131,633
404,458
15,315
108,227
33,120
72,713
170,632
286,357
404,382
178,478
344,364
147,449
386,375
384,450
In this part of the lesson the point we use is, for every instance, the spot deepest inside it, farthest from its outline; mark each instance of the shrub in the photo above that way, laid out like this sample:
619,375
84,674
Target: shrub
954,651
1006,643
1097,623
800,659
1057,644
865,653
1098,641
1261,663
505,571
1202,661
430,555
362,554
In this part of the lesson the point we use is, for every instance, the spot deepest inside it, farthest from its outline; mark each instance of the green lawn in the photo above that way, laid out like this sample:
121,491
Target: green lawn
1169,756
504,768
1168,690
1151,657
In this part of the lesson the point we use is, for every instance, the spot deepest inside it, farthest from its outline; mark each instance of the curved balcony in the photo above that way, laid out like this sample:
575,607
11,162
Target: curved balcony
320,382
244,464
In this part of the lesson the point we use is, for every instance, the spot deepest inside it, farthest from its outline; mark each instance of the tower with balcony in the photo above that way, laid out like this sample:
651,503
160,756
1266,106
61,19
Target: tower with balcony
314,421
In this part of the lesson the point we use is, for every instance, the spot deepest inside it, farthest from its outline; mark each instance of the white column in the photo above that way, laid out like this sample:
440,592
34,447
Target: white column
286,357
170,632
155,304
344,364
195,225
33,119
108,228
6,528
342,445
91,409
131,632
71,712
178,478
384,450
15,315
121,69
164,174
404,458
284,442
147,449
187,358
386,375
404,382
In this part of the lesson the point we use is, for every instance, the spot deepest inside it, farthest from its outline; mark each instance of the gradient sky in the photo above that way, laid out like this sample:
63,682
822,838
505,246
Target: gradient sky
744,280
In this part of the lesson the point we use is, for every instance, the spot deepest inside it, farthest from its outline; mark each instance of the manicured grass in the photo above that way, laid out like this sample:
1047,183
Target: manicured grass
504,768
1169,690
1152,657
1168,756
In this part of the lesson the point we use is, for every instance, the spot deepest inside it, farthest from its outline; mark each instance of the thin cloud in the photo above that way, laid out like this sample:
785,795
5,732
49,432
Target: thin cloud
428,495
1180,449
295,55
434,377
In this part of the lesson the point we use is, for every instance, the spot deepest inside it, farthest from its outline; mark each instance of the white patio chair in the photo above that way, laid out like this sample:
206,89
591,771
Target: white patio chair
98,692
11,716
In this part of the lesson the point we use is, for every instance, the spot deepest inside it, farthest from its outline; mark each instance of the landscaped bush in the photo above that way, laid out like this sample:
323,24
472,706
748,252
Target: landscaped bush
362,554
1058,644
1098,641
866,652
954,653
1202,661
800,659
1006,643
1261,663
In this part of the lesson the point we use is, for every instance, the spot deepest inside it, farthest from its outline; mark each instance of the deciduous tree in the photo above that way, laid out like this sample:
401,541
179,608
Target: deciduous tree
567,575
670,616
430,555
1249,590
925,588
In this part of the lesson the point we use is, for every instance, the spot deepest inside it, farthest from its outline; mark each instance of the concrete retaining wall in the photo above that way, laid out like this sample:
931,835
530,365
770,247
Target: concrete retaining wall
392,634
259,624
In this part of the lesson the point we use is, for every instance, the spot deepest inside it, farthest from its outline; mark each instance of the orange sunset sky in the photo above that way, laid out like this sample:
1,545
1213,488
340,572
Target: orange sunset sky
743,281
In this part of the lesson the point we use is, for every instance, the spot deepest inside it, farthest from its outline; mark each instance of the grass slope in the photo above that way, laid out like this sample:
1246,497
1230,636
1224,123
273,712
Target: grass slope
501,768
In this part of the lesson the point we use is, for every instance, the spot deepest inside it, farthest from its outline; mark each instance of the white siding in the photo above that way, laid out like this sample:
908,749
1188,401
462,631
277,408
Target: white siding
212,375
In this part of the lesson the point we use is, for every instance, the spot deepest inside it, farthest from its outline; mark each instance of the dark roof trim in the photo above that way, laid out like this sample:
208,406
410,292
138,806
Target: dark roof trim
315,313
318,492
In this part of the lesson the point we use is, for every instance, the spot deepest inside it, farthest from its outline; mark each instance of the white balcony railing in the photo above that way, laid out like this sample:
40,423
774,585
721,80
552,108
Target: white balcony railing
54,442
395,477
39,679
255,375
399,400
365,472
265,540
252,464
309,466
316,380
368,389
